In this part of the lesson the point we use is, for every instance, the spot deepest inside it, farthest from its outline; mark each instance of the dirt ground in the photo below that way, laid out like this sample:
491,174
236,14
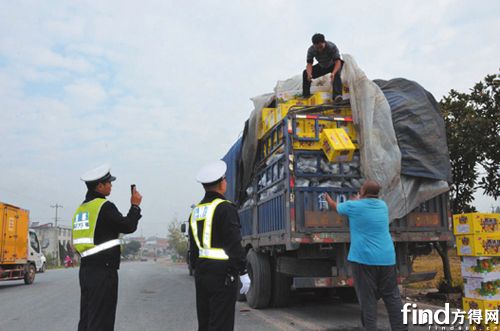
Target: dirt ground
427,291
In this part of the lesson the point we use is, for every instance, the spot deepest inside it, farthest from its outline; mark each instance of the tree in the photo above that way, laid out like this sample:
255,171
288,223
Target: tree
473,126
177,239
131,248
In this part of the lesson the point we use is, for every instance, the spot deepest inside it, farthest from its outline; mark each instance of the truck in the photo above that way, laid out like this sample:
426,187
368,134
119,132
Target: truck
20,251
292,241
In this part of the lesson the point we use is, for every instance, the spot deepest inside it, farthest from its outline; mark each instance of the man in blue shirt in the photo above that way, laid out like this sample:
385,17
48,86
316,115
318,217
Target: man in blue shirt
372,255
329,62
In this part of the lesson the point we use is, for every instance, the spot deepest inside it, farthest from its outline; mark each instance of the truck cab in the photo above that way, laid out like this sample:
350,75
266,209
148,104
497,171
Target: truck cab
35,254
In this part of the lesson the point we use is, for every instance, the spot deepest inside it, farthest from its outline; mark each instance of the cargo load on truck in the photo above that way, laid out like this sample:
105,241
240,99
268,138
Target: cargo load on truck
293,149
402,137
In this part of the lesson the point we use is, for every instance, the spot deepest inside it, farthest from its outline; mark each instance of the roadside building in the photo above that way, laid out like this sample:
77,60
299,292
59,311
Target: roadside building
56,242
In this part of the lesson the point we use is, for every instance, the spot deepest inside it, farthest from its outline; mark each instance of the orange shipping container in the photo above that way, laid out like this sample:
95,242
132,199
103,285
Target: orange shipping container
14,224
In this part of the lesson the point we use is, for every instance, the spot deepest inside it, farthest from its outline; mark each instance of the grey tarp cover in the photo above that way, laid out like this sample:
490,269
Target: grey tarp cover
420,129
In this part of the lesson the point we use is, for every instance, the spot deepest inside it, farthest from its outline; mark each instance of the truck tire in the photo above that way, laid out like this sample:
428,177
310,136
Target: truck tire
259,270
29,274
282,289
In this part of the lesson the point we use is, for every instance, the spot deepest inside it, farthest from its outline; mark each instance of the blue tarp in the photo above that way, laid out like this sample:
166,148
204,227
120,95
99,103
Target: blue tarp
233,159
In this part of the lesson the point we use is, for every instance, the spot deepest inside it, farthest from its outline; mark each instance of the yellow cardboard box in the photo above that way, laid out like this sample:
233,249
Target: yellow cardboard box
349,129
284,107
307,145
320,98
492,306
306,128
484,306
471,303
337,145
339,111
476,223
478,244
267,121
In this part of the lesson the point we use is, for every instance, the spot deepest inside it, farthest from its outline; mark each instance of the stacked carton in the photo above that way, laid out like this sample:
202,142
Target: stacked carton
478,244
335,138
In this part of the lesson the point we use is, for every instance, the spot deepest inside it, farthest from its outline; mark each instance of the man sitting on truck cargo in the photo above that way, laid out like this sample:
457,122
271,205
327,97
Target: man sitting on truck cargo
329,62
372,255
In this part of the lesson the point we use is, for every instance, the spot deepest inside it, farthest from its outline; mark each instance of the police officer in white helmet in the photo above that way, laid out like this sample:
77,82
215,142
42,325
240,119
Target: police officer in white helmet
97,224
217,256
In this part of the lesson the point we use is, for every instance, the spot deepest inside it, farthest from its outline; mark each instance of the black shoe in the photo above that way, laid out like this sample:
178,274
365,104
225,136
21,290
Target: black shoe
338,99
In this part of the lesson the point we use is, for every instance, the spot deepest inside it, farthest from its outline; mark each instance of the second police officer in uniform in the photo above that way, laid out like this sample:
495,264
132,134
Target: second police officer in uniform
97,224
216,252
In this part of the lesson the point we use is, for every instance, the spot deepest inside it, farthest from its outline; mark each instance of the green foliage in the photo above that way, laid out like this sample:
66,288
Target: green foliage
131,248
177,239
472,127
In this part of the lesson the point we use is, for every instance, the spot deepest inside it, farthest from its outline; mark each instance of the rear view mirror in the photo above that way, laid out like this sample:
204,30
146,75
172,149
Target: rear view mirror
183,227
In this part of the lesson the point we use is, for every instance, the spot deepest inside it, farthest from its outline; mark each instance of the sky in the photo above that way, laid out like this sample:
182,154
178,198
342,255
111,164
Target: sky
158,88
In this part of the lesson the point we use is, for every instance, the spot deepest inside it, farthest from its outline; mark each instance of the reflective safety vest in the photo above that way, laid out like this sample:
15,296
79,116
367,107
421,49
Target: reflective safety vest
84,223
205,212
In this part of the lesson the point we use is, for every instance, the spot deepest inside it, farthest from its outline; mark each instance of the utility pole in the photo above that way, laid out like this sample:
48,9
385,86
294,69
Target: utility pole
58,258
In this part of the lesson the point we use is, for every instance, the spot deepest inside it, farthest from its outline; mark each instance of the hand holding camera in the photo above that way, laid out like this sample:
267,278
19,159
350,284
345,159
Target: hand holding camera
136,197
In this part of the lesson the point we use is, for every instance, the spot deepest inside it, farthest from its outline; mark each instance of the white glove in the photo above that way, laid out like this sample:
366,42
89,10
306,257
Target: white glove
245,284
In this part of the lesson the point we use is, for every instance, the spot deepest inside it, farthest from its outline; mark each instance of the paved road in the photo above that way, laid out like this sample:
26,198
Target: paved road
159,296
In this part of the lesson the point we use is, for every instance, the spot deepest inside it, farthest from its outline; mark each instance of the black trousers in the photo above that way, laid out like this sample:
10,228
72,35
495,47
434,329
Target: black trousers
318,71
371,284
99,295
215,302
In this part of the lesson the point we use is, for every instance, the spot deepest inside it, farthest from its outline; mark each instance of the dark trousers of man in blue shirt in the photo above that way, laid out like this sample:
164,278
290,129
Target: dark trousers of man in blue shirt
375,282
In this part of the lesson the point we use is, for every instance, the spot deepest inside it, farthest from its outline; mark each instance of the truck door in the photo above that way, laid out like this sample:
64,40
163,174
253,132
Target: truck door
12,246
34,250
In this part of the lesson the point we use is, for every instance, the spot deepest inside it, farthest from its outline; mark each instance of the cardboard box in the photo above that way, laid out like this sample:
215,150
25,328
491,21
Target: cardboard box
284,96
284,107
338,111
267,121
478,244
307,145
320,98
483,305
337,145
345,92
478,288
472,223
480,266
306,128
349,129
492,305
471,304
